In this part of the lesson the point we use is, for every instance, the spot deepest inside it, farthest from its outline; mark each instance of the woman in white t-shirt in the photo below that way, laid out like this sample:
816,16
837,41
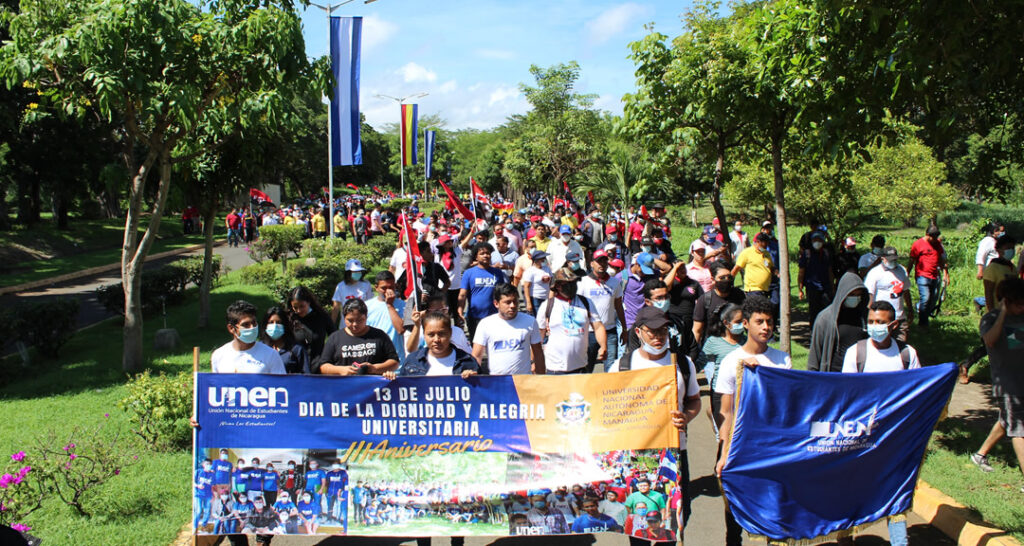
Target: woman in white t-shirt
439,356
352,287
537,282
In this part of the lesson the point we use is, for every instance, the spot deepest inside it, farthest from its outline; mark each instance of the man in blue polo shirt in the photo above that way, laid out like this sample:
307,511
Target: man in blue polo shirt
316,483
221,474
337,481
204,496
255,488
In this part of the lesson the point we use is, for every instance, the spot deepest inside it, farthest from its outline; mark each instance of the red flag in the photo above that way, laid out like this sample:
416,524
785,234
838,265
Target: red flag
466,213
559,203
377,190
391,194
643,212
352,186
413,260
478,193
259,196
590,197
323,189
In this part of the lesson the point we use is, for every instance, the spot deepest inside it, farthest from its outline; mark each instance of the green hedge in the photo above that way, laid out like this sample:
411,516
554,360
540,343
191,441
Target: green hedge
45,325
159,407
167,281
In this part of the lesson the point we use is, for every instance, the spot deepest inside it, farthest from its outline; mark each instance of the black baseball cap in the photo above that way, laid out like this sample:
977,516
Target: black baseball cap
651,317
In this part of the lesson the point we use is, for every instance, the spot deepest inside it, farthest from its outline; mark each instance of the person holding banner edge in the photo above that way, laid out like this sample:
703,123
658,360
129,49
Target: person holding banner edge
356,349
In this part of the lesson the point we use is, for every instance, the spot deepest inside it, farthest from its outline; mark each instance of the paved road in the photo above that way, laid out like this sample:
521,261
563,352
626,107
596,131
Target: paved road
90,311
706,526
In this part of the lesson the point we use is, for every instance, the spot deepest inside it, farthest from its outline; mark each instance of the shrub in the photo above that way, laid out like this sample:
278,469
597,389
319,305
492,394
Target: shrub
193,266
45,325
159,285
398,204
159,407
263,274
276,242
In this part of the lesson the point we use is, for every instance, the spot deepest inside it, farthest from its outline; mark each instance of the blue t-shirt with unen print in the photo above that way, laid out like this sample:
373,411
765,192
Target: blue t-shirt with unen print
480,283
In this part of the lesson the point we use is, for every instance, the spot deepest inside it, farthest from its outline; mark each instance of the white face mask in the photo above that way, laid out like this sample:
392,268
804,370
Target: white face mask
738,227
889,264
817,245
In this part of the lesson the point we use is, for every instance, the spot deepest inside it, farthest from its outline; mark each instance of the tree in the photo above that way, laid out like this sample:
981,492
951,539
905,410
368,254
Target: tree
156,69
559,140
617,184
691,96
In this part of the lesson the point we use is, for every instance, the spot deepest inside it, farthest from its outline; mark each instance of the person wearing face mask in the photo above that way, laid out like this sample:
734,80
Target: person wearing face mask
564,320
927,259
870,259
316,486
277,333
724,291
224,515
738,239
354,285
310,322
891,283
657,295
847,259
561,500
545,520
270,484
504,257
725,334
337,493
815,280
562,247
613,244
605,292
222,470
881,352
656,348
203,482
262,519
245,353
291,480
839,325
290,512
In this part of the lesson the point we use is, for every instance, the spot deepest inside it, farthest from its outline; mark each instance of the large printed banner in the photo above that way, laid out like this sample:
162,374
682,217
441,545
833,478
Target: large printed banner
814,453
425,456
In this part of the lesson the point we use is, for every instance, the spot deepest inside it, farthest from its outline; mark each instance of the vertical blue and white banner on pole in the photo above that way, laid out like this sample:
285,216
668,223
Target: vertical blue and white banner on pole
428,137
346,144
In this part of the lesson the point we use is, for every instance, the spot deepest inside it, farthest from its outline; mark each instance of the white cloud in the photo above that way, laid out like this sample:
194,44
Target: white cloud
377,31
502,94
611,103
413,72
481,105
496,54
613,21
448,86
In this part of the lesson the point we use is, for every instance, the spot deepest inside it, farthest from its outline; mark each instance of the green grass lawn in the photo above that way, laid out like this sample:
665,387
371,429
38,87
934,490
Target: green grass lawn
150,501
90,243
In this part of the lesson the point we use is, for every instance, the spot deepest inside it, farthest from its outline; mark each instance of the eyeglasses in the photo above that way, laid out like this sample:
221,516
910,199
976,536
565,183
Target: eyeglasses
659,333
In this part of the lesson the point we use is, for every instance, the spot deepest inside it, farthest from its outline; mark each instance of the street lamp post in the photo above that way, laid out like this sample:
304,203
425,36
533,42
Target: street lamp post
401,141
328,9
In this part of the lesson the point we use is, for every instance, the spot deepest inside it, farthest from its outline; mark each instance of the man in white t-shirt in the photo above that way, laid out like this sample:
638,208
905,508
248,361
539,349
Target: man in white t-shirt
397,264
508,338
561,247
880,353
759,322
245,353
652,328
605,292
564,317
892,284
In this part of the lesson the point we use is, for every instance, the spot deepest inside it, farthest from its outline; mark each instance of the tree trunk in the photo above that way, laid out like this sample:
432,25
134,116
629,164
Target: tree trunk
780,223
716,189
133,253
60,210
204,290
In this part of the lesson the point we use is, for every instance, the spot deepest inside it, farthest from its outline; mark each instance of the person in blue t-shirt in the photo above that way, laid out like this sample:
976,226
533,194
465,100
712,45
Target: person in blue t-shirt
222,469
309,510
243,507
284,505
204,495
358,500
592,520
240,478
270,478
337,485
371,515
478,287
255,488
316,482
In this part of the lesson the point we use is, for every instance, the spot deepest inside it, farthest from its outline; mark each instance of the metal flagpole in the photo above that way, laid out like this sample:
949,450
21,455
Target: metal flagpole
330,141
425,152
401,147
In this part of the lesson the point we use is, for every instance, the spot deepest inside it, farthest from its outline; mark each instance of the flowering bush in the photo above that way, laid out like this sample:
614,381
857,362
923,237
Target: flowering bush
21,491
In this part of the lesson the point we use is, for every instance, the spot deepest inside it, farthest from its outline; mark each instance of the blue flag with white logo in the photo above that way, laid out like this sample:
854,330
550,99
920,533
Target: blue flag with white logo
346,143
814,453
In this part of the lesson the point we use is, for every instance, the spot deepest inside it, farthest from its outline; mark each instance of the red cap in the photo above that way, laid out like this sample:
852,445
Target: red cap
443,239
714,221
617,263
600,253
612,228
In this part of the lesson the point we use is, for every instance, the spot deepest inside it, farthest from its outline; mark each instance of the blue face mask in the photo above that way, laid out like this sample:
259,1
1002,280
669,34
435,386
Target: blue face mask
640,511
539,505
275,331
736,328
357,275
878,332
645,248
660,305
248,335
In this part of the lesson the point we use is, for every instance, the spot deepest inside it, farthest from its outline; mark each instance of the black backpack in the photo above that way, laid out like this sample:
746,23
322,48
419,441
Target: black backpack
626,363
862,354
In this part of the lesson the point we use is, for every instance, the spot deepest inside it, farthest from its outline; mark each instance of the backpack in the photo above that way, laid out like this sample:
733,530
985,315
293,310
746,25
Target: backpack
862,354
626,362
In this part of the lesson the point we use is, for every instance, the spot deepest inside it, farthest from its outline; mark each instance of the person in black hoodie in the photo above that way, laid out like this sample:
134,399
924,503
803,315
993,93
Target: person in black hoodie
439,356
839,325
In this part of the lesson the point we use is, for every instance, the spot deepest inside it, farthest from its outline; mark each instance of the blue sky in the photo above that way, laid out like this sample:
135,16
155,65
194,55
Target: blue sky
470,56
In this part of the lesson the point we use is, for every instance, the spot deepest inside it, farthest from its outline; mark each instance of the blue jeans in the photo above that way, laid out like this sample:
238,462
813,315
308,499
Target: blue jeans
928,289
610,358
233,237
898,531
201,512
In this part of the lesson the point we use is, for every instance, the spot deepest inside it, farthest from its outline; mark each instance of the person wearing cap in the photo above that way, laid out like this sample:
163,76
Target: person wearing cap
757,267
697,267
564,318
657,348
815,279
536,282
655,530
353,285
714,248
870,259
645,267
562,246
927,258
738,239
593,230
605,292
360,231
450,257
613,245
891,283
341,226
848,258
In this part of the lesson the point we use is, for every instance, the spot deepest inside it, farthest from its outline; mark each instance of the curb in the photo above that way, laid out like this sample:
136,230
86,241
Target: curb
956,520
96,270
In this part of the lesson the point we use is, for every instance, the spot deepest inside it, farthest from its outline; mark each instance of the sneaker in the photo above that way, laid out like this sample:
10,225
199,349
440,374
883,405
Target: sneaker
981,461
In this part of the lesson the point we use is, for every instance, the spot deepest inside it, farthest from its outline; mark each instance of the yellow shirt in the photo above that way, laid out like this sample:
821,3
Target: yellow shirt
339,223
757,269
542,244
569,220
319,223
289,220
996,273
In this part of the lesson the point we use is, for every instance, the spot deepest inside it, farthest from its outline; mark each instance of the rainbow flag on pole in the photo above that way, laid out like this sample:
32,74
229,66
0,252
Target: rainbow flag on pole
409,112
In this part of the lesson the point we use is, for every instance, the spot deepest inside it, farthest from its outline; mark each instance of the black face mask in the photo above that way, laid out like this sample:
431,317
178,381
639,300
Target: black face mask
567,290
724,285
